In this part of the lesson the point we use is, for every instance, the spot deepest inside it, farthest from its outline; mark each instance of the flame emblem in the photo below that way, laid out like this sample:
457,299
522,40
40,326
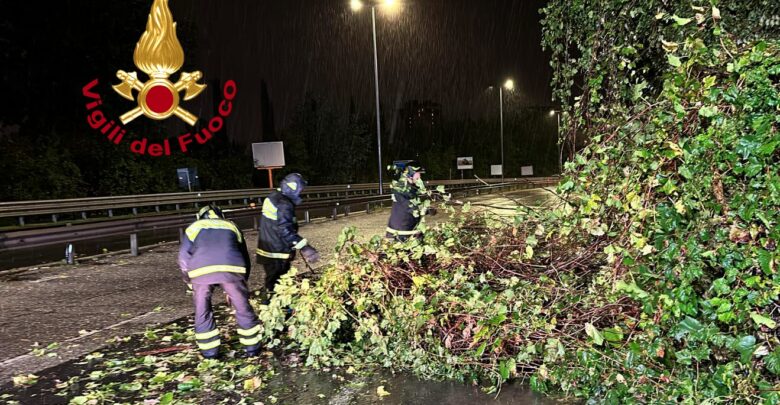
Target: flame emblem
159,54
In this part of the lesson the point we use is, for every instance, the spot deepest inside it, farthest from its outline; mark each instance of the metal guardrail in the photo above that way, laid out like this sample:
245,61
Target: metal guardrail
107,205
41,237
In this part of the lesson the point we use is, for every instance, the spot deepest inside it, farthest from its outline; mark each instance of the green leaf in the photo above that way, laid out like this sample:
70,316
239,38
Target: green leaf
762,320
685,172
745,347
166,398
612,335
708,111
568,185
690,325
681,21
673,60
638,89
765,261
506,368
132,387
631,289
498,319
772,362
480,350
594,334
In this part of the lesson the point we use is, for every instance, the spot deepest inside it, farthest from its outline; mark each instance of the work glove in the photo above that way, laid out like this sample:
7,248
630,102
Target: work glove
310,254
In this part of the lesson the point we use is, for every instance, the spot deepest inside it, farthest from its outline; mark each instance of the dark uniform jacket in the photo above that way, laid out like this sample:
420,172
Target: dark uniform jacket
214,252
278,236
402,221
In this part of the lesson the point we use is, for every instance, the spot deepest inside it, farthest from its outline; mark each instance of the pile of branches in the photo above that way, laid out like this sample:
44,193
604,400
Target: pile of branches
655,279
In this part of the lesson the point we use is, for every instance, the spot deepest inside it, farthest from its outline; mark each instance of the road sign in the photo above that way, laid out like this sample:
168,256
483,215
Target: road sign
465,163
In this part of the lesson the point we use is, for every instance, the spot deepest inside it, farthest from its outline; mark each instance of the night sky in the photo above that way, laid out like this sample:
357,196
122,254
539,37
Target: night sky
446,51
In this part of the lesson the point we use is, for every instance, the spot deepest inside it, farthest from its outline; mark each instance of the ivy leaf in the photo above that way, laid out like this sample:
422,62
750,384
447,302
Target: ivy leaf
690,325
166,399
506,367
762,320
380,390
612,335
498,319
708,111
251,384
631,289
772,362
673,60
25,380
594,334
638,89
745,347
765,261
132,387
681,21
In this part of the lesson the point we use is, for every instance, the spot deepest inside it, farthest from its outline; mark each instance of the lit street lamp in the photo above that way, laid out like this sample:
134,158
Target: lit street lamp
356,6
560,141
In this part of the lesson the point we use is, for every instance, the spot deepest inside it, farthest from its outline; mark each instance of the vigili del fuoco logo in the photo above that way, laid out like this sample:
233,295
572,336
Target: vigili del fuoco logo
158,54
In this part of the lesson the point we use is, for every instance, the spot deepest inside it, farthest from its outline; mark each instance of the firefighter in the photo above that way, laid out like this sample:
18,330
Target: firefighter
213,253
278,239
405,215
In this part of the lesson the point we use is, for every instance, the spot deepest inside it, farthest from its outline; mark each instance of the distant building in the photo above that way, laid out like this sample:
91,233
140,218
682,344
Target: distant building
421,116
419,129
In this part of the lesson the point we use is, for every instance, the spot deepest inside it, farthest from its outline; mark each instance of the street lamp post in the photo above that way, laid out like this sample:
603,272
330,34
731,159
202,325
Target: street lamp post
356,5
509,85
560,141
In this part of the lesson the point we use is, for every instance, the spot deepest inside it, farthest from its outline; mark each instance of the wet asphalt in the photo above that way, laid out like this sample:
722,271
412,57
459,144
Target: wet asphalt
79,308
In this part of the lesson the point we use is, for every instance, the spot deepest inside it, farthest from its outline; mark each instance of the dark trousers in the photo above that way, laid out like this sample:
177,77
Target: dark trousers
206,332
274,269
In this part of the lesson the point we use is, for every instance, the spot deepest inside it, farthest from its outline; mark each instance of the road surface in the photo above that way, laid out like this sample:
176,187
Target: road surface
76,309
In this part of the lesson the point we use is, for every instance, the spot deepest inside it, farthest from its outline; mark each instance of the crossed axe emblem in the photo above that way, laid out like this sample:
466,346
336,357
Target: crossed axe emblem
158,98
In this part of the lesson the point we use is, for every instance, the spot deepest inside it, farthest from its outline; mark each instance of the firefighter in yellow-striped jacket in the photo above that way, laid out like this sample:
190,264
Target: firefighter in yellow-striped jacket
213,253
278,237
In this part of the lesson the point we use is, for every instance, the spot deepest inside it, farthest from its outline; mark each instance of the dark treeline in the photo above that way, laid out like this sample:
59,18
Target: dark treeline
326,146
47,150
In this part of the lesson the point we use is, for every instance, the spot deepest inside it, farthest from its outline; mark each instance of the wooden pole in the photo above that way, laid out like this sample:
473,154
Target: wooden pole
270,178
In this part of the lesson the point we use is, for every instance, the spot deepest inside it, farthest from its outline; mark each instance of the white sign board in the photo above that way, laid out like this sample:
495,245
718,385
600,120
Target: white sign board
268,154
496,170
527,171
465,163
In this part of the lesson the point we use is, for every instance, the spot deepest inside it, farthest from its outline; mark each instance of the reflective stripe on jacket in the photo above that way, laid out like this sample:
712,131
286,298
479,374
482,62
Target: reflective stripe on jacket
278,231
402,221
213,251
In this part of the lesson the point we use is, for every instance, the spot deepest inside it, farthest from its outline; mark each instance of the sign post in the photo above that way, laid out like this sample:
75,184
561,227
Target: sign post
268,156
465,163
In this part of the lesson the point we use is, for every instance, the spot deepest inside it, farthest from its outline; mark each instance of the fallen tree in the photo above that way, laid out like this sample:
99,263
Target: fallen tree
655,278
